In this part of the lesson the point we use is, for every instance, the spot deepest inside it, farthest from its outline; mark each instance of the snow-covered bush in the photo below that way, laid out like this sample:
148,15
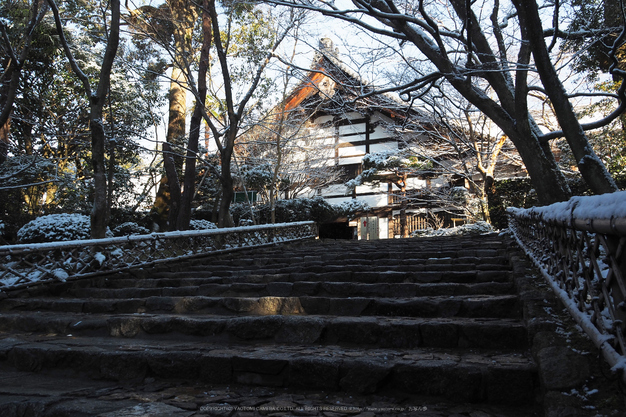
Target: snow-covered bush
245,222
199,224
257,177
350,208
54,228
293,210
2,229
466,229
130,228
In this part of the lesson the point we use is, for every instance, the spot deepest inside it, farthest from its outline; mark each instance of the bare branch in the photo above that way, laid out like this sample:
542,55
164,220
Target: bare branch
68,52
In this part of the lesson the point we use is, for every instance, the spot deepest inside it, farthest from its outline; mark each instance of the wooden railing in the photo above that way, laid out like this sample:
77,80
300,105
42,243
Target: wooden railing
580,248
24,265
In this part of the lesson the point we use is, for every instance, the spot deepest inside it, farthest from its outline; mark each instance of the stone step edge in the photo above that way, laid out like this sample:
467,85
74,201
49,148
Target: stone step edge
497,379
314,266
362,331
366,277
147,279
500,306
301,289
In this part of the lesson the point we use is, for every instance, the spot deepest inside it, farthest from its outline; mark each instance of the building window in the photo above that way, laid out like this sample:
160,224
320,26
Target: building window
240,197
351,171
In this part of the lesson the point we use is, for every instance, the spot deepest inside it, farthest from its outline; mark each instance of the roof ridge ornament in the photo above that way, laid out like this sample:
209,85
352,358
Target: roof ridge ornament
326,49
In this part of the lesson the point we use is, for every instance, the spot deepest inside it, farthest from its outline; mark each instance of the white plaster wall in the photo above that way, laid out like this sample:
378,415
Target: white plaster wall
352,129
380,133
386,146
438,182
348,139
335,189
415,183
323,119
378,200
338,200
371,188
350,160
353,115
352,151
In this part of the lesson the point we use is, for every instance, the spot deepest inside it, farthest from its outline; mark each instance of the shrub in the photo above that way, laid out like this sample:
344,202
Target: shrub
200,224
293,210
54,228
351,208
57,228
130,228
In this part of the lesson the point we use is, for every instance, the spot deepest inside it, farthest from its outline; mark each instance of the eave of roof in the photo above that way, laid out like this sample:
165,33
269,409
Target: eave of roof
327,66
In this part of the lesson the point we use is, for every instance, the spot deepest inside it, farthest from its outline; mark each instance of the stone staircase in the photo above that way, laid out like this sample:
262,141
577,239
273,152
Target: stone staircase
418,326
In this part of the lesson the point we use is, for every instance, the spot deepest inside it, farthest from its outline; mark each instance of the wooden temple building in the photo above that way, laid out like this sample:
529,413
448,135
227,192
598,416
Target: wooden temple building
344,120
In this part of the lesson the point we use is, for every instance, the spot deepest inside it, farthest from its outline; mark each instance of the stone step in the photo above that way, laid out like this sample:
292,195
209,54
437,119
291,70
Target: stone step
366,332
496,306
227,269
354,259
183,278
55,394
298,289
428,317
498,377
365,258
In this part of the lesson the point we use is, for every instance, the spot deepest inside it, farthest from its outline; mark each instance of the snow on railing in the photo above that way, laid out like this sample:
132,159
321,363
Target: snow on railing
23,265
580,248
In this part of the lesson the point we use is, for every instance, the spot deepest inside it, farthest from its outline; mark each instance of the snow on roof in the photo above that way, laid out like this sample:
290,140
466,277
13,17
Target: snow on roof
327,53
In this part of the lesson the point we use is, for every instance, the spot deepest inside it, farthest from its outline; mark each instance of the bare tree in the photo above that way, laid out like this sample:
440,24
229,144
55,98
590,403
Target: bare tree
184,215
12,64
471,46
97,101
225,128
462,142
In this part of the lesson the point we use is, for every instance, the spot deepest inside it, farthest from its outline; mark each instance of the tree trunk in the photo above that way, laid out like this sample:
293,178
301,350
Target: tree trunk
7,97
176,116
184,216
99,212
175,130
183,14
4,141
111,176
226,181
272,204
590,166
226,177
487,174
172,185
99,218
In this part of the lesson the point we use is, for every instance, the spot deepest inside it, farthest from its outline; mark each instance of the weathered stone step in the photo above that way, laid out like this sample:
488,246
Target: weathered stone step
183,279
277,261
457,375
377,259
299,289
321,266
497,306
387,245
55,394
300,330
